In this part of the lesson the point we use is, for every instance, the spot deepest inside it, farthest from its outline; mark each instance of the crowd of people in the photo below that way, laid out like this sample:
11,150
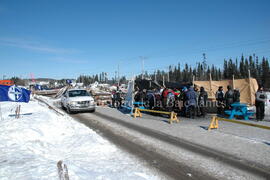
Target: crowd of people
225,100
189,102
117,98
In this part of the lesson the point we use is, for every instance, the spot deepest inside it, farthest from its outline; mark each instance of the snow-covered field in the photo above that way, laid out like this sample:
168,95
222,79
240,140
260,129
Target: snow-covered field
32,145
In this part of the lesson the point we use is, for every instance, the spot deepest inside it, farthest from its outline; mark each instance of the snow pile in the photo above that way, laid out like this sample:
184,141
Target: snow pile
32,145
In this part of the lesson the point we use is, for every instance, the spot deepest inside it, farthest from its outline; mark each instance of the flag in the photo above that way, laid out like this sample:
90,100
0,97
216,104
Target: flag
14,93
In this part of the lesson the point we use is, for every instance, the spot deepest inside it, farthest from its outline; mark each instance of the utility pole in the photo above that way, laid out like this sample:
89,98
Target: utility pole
163,81
142,59
115,76
169,74
118,76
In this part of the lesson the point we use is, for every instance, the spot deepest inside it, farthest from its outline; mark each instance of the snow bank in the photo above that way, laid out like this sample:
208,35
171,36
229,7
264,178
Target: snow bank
32,145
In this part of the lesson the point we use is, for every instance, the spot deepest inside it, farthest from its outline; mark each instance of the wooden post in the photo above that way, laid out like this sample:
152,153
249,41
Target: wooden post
249,83
163,81
210,83
193,79
17,111
213,124
233,86
62,171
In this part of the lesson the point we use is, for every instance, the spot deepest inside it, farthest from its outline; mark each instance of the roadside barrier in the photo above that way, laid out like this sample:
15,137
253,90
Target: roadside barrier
49,106
173,115
215,119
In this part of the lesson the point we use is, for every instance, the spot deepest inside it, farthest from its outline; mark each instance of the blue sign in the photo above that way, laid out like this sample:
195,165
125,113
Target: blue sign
68,81
14,93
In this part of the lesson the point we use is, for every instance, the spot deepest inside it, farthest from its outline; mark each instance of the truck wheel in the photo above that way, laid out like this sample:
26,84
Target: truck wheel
62,106
68,110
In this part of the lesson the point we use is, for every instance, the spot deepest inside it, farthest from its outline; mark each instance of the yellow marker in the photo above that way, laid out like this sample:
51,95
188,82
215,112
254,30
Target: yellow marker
137,113
173,115
214,123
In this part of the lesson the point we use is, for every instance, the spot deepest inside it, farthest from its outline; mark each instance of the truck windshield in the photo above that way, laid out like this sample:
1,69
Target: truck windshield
76,93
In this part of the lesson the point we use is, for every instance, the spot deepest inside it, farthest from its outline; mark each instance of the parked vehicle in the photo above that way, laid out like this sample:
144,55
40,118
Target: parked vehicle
77,100
267,102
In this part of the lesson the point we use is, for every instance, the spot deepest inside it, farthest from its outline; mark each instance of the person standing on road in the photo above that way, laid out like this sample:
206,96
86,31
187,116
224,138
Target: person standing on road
113,98
197,92
220,100
236,96
203,96
191,102
260,103
183,98
118,99
229,97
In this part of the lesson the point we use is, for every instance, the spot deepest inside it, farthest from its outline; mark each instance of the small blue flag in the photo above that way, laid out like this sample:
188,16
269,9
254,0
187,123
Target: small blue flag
68,81
14,93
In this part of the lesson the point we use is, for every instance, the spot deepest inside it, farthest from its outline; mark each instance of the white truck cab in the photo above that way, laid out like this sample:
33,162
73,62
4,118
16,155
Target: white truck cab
76,100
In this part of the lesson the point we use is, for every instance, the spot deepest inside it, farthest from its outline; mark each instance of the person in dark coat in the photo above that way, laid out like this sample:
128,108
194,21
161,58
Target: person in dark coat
197,92
118,99
260,103
191,102
229,97
203,96
220,100
236,96
113,98
183,98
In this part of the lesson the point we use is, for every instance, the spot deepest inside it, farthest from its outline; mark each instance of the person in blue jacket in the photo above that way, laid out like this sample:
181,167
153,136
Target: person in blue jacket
191,101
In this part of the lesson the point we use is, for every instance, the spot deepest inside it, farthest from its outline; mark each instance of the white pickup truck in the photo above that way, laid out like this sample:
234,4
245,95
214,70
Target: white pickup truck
267,102
76,100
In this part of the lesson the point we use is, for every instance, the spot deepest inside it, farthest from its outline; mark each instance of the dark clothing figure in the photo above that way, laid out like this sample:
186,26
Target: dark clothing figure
113,99
236,96
140,96
164,95
183,98
197,92
260,104
220,100
118,99
229,97
191,102
203,96
191,97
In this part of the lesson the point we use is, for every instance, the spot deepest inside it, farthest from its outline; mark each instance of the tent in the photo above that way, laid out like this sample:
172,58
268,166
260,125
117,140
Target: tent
149,84
247,87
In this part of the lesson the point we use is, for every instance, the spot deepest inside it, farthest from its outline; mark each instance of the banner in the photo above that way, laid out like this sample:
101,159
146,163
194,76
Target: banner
14,94
129,96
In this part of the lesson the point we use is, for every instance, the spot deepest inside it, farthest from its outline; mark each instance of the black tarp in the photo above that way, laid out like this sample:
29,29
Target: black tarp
149,84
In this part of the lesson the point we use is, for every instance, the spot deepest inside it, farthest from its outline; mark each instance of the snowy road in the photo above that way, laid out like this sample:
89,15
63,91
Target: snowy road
149,154
226,159
145,148
32,145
